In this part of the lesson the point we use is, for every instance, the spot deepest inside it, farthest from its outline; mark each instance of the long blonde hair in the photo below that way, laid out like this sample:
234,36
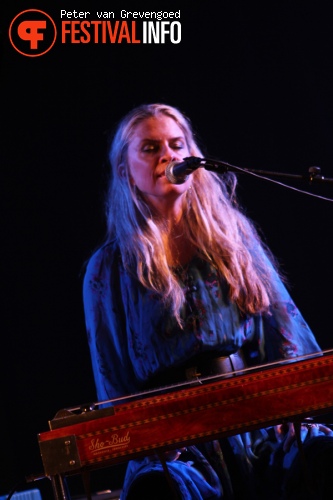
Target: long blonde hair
213,222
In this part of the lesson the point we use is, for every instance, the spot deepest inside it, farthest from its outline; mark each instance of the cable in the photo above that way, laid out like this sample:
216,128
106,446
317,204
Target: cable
282,184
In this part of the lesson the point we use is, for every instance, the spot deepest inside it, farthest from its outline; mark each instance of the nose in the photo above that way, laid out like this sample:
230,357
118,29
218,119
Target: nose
167,154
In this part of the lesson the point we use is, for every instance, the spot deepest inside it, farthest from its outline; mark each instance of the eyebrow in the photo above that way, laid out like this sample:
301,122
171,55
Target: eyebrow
180,138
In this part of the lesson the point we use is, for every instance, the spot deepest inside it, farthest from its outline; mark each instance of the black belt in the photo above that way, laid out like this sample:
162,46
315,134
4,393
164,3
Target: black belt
221,365
202,365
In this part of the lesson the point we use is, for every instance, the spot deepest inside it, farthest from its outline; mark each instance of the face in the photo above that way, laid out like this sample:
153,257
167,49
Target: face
156,142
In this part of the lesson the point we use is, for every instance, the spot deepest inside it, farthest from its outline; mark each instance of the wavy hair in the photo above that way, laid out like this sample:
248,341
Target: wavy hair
213,223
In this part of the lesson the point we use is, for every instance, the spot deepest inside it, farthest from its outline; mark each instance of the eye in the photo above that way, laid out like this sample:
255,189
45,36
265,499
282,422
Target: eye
178,145
149,148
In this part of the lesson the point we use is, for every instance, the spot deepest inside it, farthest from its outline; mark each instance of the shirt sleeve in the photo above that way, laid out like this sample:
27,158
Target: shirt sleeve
105,324
286,333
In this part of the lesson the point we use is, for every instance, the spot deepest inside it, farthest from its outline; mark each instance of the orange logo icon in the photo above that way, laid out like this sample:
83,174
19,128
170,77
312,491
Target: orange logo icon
32,33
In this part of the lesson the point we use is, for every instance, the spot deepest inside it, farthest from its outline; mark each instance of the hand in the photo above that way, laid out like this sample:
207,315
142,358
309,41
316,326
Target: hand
173,455
287,433
320,430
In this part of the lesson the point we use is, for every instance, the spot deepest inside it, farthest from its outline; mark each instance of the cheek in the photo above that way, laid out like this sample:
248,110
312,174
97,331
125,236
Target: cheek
133,171
139,173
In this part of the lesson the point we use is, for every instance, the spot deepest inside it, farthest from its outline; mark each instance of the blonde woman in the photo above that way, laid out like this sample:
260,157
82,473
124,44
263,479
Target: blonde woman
182,280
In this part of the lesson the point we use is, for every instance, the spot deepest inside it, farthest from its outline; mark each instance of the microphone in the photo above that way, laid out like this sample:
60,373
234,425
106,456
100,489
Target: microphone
177,172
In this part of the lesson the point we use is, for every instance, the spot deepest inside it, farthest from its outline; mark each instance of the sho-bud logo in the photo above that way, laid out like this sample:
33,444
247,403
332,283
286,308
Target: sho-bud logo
32,33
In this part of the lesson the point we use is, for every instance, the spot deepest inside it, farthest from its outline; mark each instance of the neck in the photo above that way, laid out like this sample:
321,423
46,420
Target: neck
169,208
170,219
178,249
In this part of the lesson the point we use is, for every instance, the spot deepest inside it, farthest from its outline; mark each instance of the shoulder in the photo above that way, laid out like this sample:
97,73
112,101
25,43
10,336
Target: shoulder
103,259
107,251
102,272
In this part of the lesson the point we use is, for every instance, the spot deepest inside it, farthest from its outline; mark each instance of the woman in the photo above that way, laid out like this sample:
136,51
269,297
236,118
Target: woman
181,280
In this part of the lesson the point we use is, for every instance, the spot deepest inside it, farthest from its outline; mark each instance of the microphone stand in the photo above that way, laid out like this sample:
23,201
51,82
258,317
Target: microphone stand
220,167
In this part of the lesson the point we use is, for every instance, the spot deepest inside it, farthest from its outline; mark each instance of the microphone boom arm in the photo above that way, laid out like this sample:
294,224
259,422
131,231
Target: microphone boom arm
221,167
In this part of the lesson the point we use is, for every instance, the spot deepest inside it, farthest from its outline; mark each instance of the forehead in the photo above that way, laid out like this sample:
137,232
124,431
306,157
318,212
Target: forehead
157,128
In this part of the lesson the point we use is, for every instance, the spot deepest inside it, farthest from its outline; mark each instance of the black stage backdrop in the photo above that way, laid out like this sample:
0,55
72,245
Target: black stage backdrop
256,81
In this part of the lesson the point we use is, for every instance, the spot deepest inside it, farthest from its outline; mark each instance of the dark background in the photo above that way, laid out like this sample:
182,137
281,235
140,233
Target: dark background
256,81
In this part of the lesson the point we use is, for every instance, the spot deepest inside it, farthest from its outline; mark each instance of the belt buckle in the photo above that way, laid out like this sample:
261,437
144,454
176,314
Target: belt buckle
192,373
